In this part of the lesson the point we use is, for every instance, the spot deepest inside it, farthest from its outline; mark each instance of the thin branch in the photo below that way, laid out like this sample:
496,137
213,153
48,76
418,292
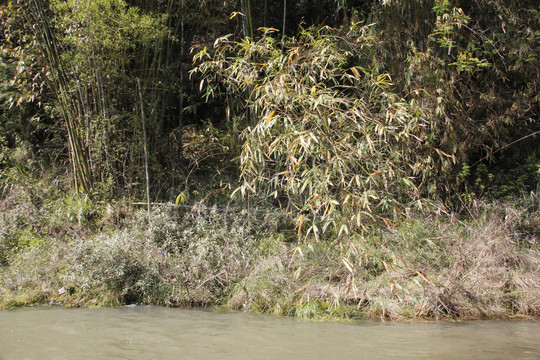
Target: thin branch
506,146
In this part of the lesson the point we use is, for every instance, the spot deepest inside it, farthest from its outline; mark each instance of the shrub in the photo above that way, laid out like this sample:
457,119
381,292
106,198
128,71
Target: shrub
332,138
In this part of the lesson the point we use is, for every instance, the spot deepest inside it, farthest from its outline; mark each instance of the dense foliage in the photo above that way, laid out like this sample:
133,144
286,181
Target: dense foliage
334,139
313,129
354,124
461,77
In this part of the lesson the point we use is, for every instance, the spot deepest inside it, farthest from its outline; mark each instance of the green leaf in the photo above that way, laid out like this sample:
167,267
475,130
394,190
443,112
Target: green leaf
181,198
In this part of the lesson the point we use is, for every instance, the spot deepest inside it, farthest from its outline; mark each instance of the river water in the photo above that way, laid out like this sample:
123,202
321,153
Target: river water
162,333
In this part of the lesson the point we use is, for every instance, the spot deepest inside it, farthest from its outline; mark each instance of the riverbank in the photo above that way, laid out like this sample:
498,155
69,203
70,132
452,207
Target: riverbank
432,265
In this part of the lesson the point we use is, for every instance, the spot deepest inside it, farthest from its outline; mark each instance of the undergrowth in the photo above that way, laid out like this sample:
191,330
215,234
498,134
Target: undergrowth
77,252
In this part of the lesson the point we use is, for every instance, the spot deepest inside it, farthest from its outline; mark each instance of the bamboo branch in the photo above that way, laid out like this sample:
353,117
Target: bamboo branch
506,146
181,206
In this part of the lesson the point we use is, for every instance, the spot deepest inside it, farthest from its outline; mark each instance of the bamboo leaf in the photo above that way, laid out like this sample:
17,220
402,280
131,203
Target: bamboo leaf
181,198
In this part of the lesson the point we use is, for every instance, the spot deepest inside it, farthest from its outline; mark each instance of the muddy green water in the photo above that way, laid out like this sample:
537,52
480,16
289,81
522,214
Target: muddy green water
161,333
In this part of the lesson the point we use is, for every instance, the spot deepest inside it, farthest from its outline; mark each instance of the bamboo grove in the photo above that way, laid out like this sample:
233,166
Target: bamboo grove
343,113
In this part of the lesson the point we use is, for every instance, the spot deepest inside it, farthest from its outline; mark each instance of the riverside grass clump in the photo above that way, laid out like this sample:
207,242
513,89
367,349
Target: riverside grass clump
429,266
173,258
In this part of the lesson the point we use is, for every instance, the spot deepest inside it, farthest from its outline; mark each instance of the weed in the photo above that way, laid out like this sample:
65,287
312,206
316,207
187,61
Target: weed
428,267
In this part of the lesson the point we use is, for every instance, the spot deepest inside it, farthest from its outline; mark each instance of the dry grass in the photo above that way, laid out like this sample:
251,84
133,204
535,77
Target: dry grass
442,269
431,266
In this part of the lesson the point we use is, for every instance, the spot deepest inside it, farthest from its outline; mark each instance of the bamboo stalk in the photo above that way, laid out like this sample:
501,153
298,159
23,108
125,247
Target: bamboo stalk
181,110
247,23
59,83
249,17
145,149
248,33
284,23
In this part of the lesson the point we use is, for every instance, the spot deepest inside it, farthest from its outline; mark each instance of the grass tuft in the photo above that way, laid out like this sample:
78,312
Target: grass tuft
79,253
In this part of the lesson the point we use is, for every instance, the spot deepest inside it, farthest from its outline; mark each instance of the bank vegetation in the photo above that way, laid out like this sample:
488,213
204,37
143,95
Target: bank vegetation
345,159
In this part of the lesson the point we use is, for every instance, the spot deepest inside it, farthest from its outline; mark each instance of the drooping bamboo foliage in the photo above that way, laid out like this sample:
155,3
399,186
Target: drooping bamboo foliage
465,64
332,142
351,131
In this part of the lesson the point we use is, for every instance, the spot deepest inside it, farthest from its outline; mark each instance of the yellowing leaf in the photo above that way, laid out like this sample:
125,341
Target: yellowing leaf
347,264
422,276
270,117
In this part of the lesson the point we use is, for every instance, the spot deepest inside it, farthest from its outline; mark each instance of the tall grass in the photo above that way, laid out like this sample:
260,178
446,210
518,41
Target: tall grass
78,253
